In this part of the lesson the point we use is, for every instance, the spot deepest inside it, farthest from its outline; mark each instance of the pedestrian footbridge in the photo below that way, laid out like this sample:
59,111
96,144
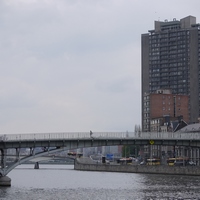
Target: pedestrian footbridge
54,142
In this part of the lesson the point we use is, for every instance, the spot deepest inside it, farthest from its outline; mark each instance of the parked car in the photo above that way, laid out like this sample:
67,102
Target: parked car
179,163
143,163
191,163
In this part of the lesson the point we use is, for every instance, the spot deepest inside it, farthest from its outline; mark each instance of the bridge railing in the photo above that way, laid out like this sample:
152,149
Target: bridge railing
62,136
101,135
43,136
168,135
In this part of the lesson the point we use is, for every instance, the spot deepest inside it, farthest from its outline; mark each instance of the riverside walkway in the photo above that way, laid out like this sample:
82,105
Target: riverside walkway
53,142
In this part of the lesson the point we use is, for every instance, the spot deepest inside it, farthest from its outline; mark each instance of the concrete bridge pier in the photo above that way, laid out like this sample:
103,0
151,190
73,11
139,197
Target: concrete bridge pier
5,181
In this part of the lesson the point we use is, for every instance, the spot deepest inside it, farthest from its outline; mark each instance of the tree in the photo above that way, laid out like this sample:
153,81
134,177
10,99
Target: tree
137,128
130,150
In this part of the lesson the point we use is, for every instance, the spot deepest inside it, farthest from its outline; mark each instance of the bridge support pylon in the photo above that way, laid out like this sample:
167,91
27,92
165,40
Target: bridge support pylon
5,181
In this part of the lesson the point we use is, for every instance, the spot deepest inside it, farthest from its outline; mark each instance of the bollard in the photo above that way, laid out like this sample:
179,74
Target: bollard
36,165
103,159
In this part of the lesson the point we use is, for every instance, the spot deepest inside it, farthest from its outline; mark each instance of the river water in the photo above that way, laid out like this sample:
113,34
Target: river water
62,182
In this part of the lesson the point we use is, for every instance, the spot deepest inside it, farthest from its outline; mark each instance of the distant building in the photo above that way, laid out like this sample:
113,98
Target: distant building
163,124
162,107
191,152
164,112
171,60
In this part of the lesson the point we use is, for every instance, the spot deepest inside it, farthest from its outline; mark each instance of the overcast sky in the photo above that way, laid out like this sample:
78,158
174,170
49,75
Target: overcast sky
75,65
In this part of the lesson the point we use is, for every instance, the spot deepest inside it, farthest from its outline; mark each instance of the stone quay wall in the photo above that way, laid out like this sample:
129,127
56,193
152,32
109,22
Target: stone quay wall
159,169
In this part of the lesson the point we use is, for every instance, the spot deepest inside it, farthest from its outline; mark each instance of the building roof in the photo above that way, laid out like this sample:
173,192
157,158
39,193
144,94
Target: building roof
179,125
191,128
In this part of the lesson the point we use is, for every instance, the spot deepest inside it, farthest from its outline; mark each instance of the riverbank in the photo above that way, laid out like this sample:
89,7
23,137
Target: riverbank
86,164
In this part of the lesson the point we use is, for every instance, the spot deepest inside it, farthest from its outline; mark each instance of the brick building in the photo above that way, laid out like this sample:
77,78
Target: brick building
161,104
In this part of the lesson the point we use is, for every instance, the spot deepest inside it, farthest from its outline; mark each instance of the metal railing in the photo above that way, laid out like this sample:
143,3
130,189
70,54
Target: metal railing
100,135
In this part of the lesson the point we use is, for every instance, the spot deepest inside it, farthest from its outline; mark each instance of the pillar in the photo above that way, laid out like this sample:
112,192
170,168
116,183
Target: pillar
5,181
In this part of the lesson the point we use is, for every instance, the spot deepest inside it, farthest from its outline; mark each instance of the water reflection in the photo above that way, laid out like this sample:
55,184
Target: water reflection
172,187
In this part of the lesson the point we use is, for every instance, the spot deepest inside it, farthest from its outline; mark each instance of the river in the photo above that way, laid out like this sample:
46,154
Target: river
62,182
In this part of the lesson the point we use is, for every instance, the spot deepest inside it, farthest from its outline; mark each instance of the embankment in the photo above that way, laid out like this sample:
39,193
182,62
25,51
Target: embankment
87,165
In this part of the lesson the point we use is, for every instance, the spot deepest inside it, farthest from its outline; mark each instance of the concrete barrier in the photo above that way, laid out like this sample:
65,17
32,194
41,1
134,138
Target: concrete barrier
159,169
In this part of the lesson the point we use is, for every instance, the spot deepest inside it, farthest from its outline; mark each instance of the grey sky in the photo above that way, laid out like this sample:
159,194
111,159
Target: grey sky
75,65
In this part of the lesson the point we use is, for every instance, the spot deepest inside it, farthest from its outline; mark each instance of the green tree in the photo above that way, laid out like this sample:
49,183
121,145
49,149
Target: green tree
125,151
130,150
137,128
